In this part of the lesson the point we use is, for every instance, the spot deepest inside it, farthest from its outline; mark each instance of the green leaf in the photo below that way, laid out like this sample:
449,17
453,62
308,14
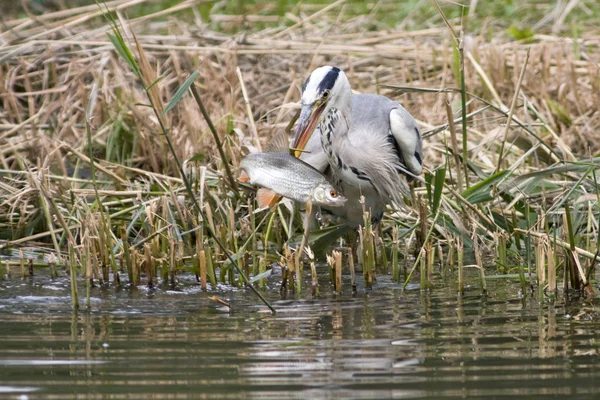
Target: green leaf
520,34
320,240
180,92
160,78
440,177
198,157
482,191
262,275
561,113
119,45
504,276
576,167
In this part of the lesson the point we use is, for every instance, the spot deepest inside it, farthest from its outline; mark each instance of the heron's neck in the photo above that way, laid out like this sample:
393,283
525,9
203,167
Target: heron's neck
336,124
334,132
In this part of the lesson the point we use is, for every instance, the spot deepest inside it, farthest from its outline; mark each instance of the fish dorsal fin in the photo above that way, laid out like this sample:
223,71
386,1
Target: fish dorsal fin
279,143
266,198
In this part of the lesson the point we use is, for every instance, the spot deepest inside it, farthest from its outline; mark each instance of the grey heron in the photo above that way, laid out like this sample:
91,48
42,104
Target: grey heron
364,143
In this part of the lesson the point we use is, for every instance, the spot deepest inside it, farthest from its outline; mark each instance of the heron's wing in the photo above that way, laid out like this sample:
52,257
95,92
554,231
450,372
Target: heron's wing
405,132
384,117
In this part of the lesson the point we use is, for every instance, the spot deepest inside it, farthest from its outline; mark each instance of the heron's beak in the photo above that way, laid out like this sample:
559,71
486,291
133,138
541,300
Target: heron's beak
309,118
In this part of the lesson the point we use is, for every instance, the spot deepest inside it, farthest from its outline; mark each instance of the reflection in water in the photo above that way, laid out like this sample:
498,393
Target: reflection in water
372,345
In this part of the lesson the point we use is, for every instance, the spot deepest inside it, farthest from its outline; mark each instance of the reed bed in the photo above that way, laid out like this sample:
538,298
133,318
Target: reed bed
100,104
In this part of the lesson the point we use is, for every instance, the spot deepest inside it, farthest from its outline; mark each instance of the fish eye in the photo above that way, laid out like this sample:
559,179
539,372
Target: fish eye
333,193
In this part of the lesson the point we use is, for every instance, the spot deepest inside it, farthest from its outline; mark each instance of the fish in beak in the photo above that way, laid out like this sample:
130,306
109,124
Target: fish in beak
309,118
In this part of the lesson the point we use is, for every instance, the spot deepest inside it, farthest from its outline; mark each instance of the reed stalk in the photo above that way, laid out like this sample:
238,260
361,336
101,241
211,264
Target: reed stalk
51,265
97,272
262,268
127,254
501,263
73,279
331,268
210,269
89,279
528,255
109,248
395,245
202,260
423,269
289,262
406,261
460,266
135,268
148,264
540,261
479,261
350,256
284,276
451,252
254,246
7,268
172,263
455,150
296,276
430,261
22,263
337,255
314,279
245,266
440,253
551,270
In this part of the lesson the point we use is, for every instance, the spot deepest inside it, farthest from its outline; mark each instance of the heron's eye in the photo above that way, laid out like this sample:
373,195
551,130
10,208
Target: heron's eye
333,193
326,94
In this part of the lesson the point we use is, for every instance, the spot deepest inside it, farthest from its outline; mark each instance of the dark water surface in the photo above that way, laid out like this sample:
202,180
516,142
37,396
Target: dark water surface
178,344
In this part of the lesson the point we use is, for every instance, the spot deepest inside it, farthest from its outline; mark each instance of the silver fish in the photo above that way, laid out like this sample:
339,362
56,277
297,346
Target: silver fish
287,176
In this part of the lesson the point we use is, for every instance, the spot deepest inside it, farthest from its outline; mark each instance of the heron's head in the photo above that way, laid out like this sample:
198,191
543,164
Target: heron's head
327,87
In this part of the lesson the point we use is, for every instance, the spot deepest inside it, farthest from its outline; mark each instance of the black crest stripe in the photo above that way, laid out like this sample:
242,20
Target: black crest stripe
305,84
329,80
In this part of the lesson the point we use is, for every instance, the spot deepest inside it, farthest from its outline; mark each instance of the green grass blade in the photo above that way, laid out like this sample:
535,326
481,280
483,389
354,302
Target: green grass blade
440,177
157,80
262,275
180,92
481,191
577,167
119,45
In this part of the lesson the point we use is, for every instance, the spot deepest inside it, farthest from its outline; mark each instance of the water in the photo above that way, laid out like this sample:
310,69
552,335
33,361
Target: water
179,344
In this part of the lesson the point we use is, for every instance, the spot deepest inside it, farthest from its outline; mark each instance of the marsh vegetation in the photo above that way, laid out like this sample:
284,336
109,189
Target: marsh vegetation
108,110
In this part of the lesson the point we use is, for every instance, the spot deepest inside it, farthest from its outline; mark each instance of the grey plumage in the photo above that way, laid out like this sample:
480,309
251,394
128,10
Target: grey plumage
362,142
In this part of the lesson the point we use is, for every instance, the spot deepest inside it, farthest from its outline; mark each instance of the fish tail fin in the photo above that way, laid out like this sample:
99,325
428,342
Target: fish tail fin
266,198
